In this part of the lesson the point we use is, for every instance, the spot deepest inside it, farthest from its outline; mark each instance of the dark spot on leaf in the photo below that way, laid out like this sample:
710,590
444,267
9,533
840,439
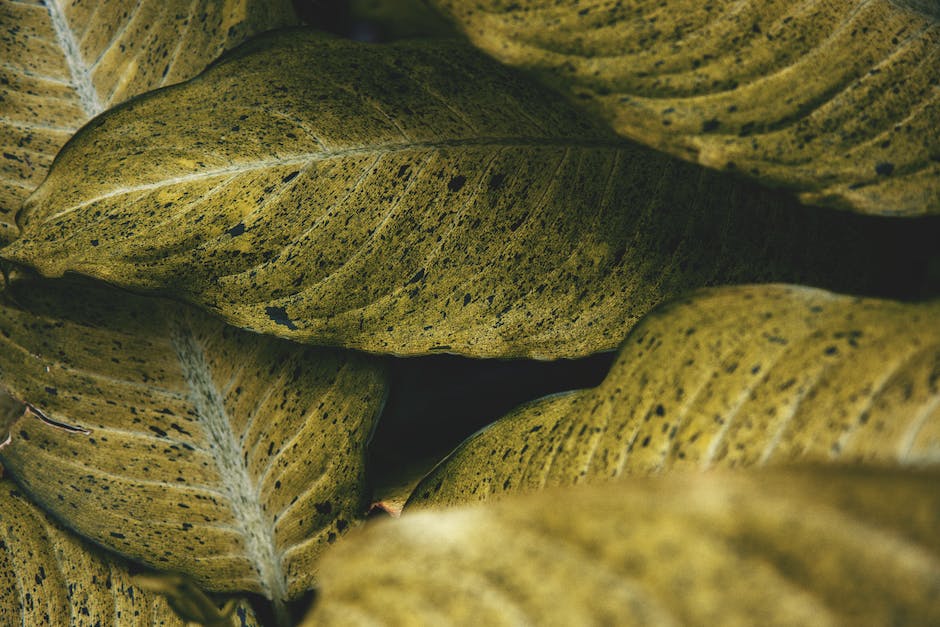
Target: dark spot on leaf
496,181
94,242
237,230
884,168
417,277
456,183
290,177
115,534
278,315
324,508
157,430
660,410
710,125
52,391
466,299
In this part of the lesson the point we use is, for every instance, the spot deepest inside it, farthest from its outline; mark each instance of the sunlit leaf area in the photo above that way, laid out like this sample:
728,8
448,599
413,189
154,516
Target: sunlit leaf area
440,312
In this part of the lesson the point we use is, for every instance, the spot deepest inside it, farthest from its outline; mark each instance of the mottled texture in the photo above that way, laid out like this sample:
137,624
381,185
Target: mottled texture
837,100
64,61
50,577
734,376
413,198
817,547
194,447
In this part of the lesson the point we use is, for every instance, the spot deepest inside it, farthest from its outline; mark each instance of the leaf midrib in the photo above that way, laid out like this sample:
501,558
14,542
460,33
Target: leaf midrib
79,71
241,489
315,157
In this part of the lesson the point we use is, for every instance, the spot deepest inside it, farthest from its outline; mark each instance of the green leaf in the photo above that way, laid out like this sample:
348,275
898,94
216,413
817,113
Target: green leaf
64,63
52,578
413,198
834,100
735,376
820,547
163,434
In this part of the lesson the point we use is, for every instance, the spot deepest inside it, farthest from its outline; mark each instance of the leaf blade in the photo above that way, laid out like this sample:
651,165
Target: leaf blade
423,227
56,578
824,545
733,376
764,88
63,65
204,449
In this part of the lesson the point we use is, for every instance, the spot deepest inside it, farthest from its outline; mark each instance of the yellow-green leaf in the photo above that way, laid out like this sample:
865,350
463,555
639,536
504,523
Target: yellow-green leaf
412,198
734,376
62,63
52,578
809,547
194,447
837,101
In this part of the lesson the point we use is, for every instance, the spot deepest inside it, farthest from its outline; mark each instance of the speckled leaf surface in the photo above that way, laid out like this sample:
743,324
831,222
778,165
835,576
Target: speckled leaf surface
64,62
176,440
836,100
412,198
734,376
50,577
819,547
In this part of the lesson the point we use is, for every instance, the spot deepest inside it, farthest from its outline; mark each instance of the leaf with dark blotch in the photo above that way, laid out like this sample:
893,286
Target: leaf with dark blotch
414,198
62,63
53,578
837,101
173,439
801,547
734,376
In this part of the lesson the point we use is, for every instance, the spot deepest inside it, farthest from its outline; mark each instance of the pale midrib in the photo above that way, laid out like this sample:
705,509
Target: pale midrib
307,158
78,69
242,490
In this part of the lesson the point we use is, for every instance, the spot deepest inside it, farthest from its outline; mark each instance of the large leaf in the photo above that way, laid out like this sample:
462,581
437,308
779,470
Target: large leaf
410,198
173,439
836,100
52,578
799,548
735,376
62,63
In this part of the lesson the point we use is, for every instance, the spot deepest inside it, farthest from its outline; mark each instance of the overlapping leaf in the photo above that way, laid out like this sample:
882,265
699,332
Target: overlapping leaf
412,198
52,578
735,376
835,100
787,548
173,439
62,63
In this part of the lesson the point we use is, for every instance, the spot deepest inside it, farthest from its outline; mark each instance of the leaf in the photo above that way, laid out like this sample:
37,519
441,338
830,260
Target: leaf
175,440
414,198
820,547
834,100
62,64
735,376
52,578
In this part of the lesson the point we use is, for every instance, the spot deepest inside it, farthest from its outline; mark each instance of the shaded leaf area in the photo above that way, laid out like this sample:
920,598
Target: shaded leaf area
834,100
820,547
735,376
62,63
374,20
178,441
50,577
416,198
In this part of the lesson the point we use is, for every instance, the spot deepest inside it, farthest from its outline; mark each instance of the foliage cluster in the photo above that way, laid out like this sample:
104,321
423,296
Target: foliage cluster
243,293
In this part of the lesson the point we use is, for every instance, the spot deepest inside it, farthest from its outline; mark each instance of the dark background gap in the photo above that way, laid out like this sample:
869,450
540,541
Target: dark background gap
436,402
